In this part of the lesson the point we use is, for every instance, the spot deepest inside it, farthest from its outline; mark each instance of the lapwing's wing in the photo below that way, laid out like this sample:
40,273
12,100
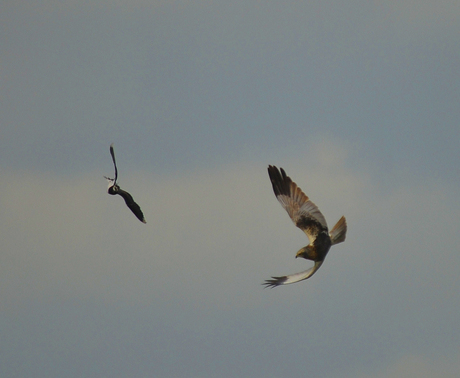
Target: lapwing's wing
132,205
112,152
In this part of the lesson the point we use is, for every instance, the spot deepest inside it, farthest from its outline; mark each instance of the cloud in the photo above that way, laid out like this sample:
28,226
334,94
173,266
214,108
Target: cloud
205,95
210,229
213,235
217,230
418,366
426,12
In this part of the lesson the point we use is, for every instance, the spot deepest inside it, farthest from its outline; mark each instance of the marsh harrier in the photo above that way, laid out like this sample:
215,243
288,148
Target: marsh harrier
305,215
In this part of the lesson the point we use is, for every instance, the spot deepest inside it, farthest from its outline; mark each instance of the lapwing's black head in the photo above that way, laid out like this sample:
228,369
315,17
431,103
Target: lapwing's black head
113,189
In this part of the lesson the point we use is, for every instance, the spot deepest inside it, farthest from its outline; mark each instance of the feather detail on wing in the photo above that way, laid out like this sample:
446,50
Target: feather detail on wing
339,231
304,213
292,278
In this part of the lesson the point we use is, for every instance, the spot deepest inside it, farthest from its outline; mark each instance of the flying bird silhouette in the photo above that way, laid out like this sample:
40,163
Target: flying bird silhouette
115,189
305,215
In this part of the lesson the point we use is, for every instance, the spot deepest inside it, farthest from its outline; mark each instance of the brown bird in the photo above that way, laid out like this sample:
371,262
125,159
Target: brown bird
305,215
115,189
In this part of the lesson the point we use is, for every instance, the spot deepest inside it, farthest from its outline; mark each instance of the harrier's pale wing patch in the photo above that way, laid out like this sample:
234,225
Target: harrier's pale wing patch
292,278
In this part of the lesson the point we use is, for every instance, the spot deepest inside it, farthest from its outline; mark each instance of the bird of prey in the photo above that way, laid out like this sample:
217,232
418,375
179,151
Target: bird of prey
305,215
113,189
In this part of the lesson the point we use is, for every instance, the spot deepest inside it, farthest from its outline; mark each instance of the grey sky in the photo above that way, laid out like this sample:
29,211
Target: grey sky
358,102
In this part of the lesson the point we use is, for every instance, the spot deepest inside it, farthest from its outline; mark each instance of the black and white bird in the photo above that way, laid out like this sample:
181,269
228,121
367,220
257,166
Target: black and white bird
305,215
115,189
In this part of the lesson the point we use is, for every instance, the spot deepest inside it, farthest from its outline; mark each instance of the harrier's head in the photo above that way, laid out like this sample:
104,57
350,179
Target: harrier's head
308,252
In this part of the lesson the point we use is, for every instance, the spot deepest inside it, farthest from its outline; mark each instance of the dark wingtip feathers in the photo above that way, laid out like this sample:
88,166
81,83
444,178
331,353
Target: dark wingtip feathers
280,181
276,281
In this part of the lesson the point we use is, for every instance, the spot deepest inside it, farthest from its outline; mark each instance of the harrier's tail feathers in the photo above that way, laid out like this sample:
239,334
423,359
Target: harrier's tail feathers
339,231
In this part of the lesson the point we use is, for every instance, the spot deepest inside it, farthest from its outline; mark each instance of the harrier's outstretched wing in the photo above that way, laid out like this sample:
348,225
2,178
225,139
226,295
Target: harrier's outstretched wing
304,213
296,277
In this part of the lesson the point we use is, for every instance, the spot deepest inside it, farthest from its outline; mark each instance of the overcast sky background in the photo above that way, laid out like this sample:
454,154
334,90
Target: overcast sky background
358,101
